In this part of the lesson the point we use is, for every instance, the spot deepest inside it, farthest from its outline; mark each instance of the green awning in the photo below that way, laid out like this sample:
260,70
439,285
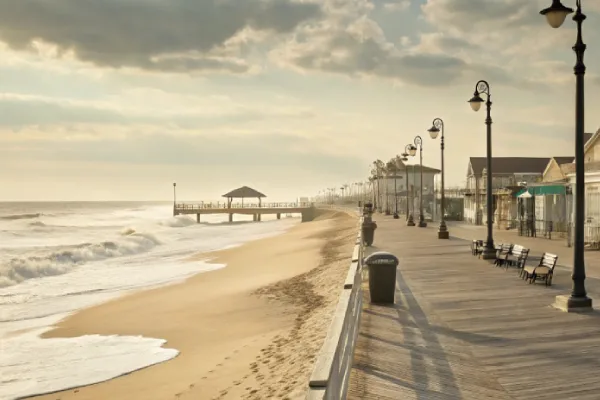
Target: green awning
546,190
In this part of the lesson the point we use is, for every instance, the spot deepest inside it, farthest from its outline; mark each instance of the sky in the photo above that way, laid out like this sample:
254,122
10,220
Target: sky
118,99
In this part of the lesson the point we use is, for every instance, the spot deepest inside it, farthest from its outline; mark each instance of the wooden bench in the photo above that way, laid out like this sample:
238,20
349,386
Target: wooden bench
504,251
543,271
517,257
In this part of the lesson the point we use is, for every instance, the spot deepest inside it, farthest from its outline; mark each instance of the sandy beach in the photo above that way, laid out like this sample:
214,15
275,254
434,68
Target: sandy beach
247,331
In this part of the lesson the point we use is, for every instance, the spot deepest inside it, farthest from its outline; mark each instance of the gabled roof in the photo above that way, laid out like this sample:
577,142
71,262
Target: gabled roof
244,192
564,160
510,165
588,136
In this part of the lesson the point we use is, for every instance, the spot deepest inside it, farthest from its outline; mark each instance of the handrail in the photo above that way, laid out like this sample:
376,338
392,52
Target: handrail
331,373
225,205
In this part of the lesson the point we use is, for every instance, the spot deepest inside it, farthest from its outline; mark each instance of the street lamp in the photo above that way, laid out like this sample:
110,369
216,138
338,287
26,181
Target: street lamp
578,301
436,128
174,199
410,219
413,151
405,159
489,251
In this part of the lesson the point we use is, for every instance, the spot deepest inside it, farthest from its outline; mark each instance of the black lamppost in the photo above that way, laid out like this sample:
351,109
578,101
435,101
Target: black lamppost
489,251
405,159
411,220
436,128
174,199
412,151
578,301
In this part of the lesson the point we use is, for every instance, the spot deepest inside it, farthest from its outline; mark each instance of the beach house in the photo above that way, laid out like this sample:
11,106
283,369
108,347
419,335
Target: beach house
509,175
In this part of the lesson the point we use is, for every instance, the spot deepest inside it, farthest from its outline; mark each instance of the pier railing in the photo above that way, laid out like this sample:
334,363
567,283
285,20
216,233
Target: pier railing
225,205
331,373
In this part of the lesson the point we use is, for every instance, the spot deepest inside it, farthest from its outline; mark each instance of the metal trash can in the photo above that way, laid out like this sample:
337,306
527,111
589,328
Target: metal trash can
368,230
382,276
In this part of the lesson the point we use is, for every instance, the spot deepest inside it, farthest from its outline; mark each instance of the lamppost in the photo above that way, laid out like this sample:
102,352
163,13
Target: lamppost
412,152
436,128
489,251
405,159
342,196
410,220
395,191
174,199
578,301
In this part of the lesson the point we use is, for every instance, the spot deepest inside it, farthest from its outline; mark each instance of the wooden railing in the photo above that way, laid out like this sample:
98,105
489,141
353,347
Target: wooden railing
331,374
225,205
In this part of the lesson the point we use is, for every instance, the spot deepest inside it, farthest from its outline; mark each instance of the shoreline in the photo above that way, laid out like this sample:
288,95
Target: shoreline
236,327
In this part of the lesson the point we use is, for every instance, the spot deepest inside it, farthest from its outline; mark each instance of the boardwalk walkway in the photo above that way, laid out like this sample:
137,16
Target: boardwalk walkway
463,329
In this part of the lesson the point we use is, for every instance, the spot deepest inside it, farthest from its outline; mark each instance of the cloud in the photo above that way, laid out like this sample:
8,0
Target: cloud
159,35
397,5
482,16
358,47
177,111
274,150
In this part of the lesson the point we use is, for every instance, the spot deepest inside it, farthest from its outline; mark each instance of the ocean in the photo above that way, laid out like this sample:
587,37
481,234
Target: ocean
57,258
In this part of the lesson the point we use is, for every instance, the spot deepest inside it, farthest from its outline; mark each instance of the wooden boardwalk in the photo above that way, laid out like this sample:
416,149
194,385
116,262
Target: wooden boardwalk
463,329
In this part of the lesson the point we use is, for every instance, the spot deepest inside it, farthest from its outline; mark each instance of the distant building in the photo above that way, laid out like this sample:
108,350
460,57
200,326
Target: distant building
407,181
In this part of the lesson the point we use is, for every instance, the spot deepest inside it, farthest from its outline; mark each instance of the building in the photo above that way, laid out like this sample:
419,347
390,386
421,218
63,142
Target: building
510,175
592,188
407,182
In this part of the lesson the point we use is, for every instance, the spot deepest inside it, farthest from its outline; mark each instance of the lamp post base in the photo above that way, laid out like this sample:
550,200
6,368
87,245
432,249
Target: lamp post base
488,254
396,216
422,224
567,303
411,221
443,231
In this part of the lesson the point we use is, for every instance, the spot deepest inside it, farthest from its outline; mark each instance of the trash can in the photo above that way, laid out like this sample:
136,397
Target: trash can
368,230
382,276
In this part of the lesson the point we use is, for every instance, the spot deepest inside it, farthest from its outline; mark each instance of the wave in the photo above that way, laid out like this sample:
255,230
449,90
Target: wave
21,216
37,224
179,221
65,259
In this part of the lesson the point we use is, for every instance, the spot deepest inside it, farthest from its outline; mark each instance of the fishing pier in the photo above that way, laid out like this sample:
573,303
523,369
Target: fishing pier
256,209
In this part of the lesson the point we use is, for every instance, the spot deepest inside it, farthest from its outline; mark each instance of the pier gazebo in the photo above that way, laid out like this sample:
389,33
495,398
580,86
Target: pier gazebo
244,192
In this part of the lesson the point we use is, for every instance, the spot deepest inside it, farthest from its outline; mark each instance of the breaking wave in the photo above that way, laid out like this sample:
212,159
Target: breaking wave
58,261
